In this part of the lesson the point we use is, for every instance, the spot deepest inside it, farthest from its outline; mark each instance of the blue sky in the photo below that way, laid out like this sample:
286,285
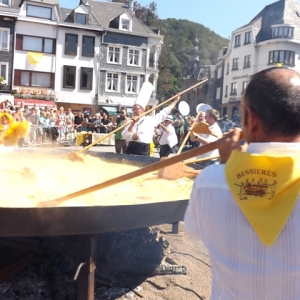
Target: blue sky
221,16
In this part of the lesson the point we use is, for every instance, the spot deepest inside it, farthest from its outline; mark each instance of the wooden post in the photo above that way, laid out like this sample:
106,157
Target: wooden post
175,228
87,250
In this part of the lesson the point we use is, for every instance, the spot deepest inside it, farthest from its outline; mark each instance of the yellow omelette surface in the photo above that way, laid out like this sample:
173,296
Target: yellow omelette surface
27,179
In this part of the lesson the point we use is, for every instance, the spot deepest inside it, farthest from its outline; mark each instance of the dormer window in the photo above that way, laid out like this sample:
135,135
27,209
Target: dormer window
125,24
81,19
38,11
283,32
4,2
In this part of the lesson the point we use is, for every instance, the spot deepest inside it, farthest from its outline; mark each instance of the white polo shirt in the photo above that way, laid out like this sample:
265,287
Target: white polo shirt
242,267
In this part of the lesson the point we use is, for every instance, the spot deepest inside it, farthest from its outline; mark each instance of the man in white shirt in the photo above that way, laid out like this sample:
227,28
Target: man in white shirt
139,133
167,137
211,117
245,266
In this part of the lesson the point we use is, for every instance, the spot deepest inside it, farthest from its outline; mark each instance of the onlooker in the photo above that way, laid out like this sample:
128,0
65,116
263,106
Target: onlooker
106,124
41,127
226,124
211,118
69,123
120,141
77,121
167,137
98,123
178,125
34,120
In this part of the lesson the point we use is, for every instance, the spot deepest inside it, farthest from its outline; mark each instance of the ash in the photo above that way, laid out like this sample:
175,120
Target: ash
124,260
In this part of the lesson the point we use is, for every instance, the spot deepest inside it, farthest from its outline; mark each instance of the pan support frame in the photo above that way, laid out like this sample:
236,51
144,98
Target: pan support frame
87,252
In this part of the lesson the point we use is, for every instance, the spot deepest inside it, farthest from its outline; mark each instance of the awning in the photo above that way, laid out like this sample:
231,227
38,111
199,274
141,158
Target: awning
39,103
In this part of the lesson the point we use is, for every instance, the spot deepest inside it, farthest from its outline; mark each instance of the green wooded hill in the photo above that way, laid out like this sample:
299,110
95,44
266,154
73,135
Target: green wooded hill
179,38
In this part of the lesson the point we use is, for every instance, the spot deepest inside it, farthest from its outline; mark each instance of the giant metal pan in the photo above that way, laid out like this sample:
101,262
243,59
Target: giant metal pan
51,221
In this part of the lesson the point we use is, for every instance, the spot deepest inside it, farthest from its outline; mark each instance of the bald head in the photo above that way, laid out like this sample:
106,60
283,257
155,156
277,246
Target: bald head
274,95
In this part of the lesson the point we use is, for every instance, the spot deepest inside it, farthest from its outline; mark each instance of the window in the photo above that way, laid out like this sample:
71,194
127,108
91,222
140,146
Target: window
4,2
227,72
114,54
245,83
86,78
4,70
39,11
69,77
235,64
233,88
218,94
88,45
226,91
281,56
219,73
4,39
125,24
237,41
112,82
283,32
81,19
247,61
133,57
71,41
34,79
131,84
33,43
247,37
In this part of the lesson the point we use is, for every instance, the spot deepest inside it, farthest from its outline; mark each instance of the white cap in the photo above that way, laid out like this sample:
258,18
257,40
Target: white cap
169,118
203,107
144,94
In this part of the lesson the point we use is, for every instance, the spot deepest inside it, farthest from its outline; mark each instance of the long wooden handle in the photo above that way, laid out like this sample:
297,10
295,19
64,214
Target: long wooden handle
188,134
150,168
144,114
200,159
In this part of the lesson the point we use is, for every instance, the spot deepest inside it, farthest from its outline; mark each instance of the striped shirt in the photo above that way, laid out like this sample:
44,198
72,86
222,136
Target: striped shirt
242,267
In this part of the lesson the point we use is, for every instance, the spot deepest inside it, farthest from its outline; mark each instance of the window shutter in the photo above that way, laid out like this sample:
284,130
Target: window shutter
19,42
17,77
54,47
52,80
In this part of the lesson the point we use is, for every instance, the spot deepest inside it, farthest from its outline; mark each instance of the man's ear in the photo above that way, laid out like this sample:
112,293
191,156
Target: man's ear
253,121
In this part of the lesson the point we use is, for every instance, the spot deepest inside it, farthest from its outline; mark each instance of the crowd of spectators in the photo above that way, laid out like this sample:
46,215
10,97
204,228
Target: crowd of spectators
48,124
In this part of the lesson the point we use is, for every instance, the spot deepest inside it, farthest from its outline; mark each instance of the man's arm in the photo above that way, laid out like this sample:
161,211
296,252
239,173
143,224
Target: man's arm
164,128
161,116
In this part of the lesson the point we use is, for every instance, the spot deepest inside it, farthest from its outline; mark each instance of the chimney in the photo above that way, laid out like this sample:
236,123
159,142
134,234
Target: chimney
130,5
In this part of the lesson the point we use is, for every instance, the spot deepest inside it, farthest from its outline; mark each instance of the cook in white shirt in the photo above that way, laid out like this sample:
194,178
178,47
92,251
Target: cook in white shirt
167,137
139,133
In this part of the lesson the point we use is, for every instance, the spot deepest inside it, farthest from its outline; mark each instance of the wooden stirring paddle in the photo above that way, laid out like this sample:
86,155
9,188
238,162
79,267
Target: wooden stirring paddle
202,127
74,156
181,169
151,168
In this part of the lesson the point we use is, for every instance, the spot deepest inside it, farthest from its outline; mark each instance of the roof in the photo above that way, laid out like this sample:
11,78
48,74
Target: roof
198,71
105,12
280,12
67,18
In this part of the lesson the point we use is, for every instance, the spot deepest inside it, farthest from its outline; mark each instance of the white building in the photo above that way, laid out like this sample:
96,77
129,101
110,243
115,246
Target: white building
272,38
129,54
35,52
77,63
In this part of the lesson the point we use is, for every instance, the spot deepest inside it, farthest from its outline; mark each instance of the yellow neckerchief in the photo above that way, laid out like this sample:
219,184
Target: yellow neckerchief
265,188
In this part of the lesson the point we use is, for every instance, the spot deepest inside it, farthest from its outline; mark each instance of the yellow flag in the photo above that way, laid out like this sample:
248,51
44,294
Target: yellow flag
34,58
266,189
